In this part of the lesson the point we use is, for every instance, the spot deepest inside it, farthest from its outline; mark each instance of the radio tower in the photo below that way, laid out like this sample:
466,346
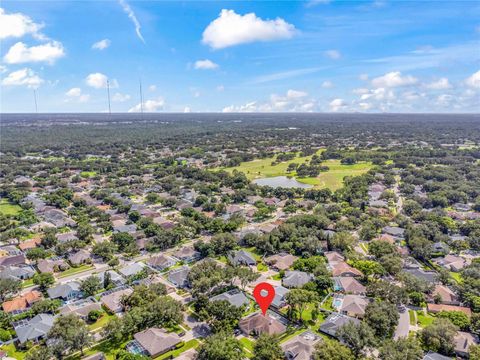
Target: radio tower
108,94
35,100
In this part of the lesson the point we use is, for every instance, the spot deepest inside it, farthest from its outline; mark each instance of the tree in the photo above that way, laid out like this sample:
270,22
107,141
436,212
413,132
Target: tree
220,347
123,240
267,348
245,275
223,243
46,306
72,331
421,247
221,315
401,349
85,231
382,318
379,248
342,241
439,336
39,353
91,285
457,318
9,287
332,350
36,254
125,355
356,336
298,299
43,280
49,240
105,250
474,352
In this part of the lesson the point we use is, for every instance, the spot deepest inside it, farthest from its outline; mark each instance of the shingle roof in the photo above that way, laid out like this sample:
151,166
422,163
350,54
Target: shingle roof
235,297
156,341
35,328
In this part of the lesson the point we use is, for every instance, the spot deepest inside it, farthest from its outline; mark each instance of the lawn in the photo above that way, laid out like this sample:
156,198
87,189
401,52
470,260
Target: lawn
411,313
88,174
75,270
262,267
456,276
364,246
424,320
8,209
107,347
327,305
247,343
27,283
100,323
332,179
174,353
12,351
276,277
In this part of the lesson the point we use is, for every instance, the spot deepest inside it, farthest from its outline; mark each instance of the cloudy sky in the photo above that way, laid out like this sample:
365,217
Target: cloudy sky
318,55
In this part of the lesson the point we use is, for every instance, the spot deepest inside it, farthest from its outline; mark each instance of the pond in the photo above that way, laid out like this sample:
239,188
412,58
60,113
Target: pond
281,181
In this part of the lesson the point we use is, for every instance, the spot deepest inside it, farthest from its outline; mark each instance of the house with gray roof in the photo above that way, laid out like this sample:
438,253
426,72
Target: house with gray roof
79,257
235,297
179,277
161,262
301,347
296,279
127,228
334,322
395,231
16,272
66,292
132,269
428,276
279,299
242,257
435,356
35,329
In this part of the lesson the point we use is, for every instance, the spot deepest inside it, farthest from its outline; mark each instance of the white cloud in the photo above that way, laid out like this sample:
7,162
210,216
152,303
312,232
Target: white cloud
118,97
128,10
284,75
231,29
473,80
187,109
360,91
363,77
327,84
20,53
365,106
152,87
333,54
23,77
17,25
99,81
295,94
220,88
337,105
394,79
205,65
152,105
76,94
378,94
292,101
3,69
101,45
440,84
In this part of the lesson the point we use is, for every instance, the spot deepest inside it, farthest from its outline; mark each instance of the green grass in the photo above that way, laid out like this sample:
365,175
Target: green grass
174,353
411,314
276,277
247,344
27,283
456,276
364,247
424,320
13,352
88,174
332,179
75,270
327,305
107,347
262,267
100,323
9,209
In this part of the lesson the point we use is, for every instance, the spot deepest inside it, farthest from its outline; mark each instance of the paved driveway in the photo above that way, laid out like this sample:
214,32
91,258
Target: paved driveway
403,326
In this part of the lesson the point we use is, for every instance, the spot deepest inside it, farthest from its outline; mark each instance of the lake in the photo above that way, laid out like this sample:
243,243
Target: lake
281,181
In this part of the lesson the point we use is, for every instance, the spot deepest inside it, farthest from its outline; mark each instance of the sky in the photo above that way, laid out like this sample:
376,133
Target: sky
248,56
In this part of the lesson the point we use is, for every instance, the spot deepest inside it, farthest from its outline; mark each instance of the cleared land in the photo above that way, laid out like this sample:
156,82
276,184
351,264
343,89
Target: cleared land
332,179
8,209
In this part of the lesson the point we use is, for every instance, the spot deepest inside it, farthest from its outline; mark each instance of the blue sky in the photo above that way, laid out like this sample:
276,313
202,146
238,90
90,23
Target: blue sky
339,56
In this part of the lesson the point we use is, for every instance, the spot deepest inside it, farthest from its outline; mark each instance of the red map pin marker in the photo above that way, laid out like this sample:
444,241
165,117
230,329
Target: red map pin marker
264,294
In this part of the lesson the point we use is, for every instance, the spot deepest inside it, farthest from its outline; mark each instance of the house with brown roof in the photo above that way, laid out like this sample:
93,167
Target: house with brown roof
161,262
436,308
81,308
349,285
187,254
80,257
113,302
256,324
452,262
334,257
29,244
155,341
281,261
354,305
463,341
50,266
445,294
22,302
343,269
301,347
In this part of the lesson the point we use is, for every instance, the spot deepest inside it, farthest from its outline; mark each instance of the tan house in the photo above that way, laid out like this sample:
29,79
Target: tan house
257,324
301,347
343,269
354,305
157,341
281,261
446,295
112,301
436,308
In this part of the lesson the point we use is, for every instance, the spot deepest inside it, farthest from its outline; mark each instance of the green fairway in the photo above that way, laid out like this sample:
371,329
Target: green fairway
332,179
8,209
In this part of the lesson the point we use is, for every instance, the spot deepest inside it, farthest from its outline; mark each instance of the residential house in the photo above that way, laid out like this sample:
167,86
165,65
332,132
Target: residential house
257,324
57,217
115,277
428,276
279,299
242,257
435,356
334,322
436,308
282,261
34,329
81,308
187,254
349,285
334,257
16,272
155,341
445,294
68,236
29,244
80,257
14,260
396,232
68,291
21,303
112,300
127,228
463,340
452,262
343,269
235,297
132,269
354,305
296,279
179,277
301,347
50,266
161,262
